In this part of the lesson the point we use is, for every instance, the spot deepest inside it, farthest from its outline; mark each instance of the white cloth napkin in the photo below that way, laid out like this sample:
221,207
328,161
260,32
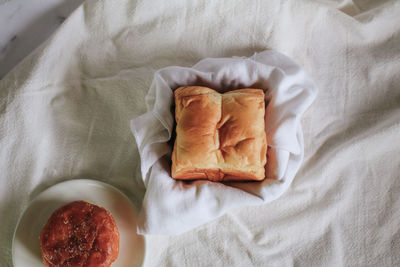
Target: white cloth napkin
173,207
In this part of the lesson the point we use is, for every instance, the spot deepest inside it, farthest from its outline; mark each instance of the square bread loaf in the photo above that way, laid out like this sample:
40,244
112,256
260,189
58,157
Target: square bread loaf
219,137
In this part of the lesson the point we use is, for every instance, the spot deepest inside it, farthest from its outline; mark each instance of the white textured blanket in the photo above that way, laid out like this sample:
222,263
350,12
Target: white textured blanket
65,111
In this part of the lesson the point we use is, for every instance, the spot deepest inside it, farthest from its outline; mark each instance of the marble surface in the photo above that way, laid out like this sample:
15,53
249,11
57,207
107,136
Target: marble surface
25,24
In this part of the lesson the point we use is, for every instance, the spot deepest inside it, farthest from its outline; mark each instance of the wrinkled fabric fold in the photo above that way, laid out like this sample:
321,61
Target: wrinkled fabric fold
65,113
289,92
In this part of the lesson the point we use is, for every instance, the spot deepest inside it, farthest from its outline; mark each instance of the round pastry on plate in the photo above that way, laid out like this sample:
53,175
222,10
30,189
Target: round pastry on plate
80,234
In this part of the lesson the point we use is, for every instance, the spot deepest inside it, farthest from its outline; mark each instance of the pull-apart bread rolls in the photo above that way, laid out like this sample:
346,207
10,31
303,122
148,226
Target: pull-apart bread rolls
219,137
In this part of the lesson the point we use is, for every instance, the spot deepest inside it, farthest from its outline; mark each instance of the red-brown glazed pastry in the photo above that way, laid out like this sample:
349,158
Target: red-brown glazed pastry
79,234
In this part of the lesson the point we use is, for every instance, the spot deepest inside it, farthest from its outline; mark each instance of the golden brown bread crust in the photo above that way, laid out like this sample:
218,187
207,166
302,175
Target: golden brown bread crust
219,137
79,234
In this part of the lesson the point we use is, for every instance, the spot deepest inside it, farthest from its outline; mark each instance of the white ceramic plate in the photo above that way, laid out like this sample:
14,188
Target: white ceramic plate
26,246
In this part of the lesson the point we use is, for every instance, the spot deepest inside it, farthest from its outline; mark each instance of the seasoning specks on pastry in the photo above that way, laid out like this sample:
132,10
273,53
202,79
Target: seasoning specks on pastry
80,234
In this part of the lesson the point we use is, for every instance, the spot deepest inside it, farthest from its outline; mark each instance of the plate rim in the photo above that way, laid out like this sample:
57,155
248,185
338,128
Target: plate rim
77,180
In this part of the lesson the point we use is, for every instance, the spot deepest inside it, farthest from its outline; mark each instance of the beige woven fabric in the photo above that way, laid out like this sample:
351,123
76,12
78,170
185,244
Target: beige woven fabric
65,111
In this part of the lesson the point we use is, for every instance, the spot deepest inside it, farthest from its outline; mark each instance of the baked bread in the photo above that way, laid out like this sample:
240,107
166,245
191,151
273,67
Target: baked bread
79,234
219,137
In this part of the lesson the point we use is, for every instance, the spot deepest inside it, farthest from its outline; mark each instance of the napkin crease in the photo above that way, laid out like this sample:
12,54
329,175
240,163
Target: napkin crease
172,207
